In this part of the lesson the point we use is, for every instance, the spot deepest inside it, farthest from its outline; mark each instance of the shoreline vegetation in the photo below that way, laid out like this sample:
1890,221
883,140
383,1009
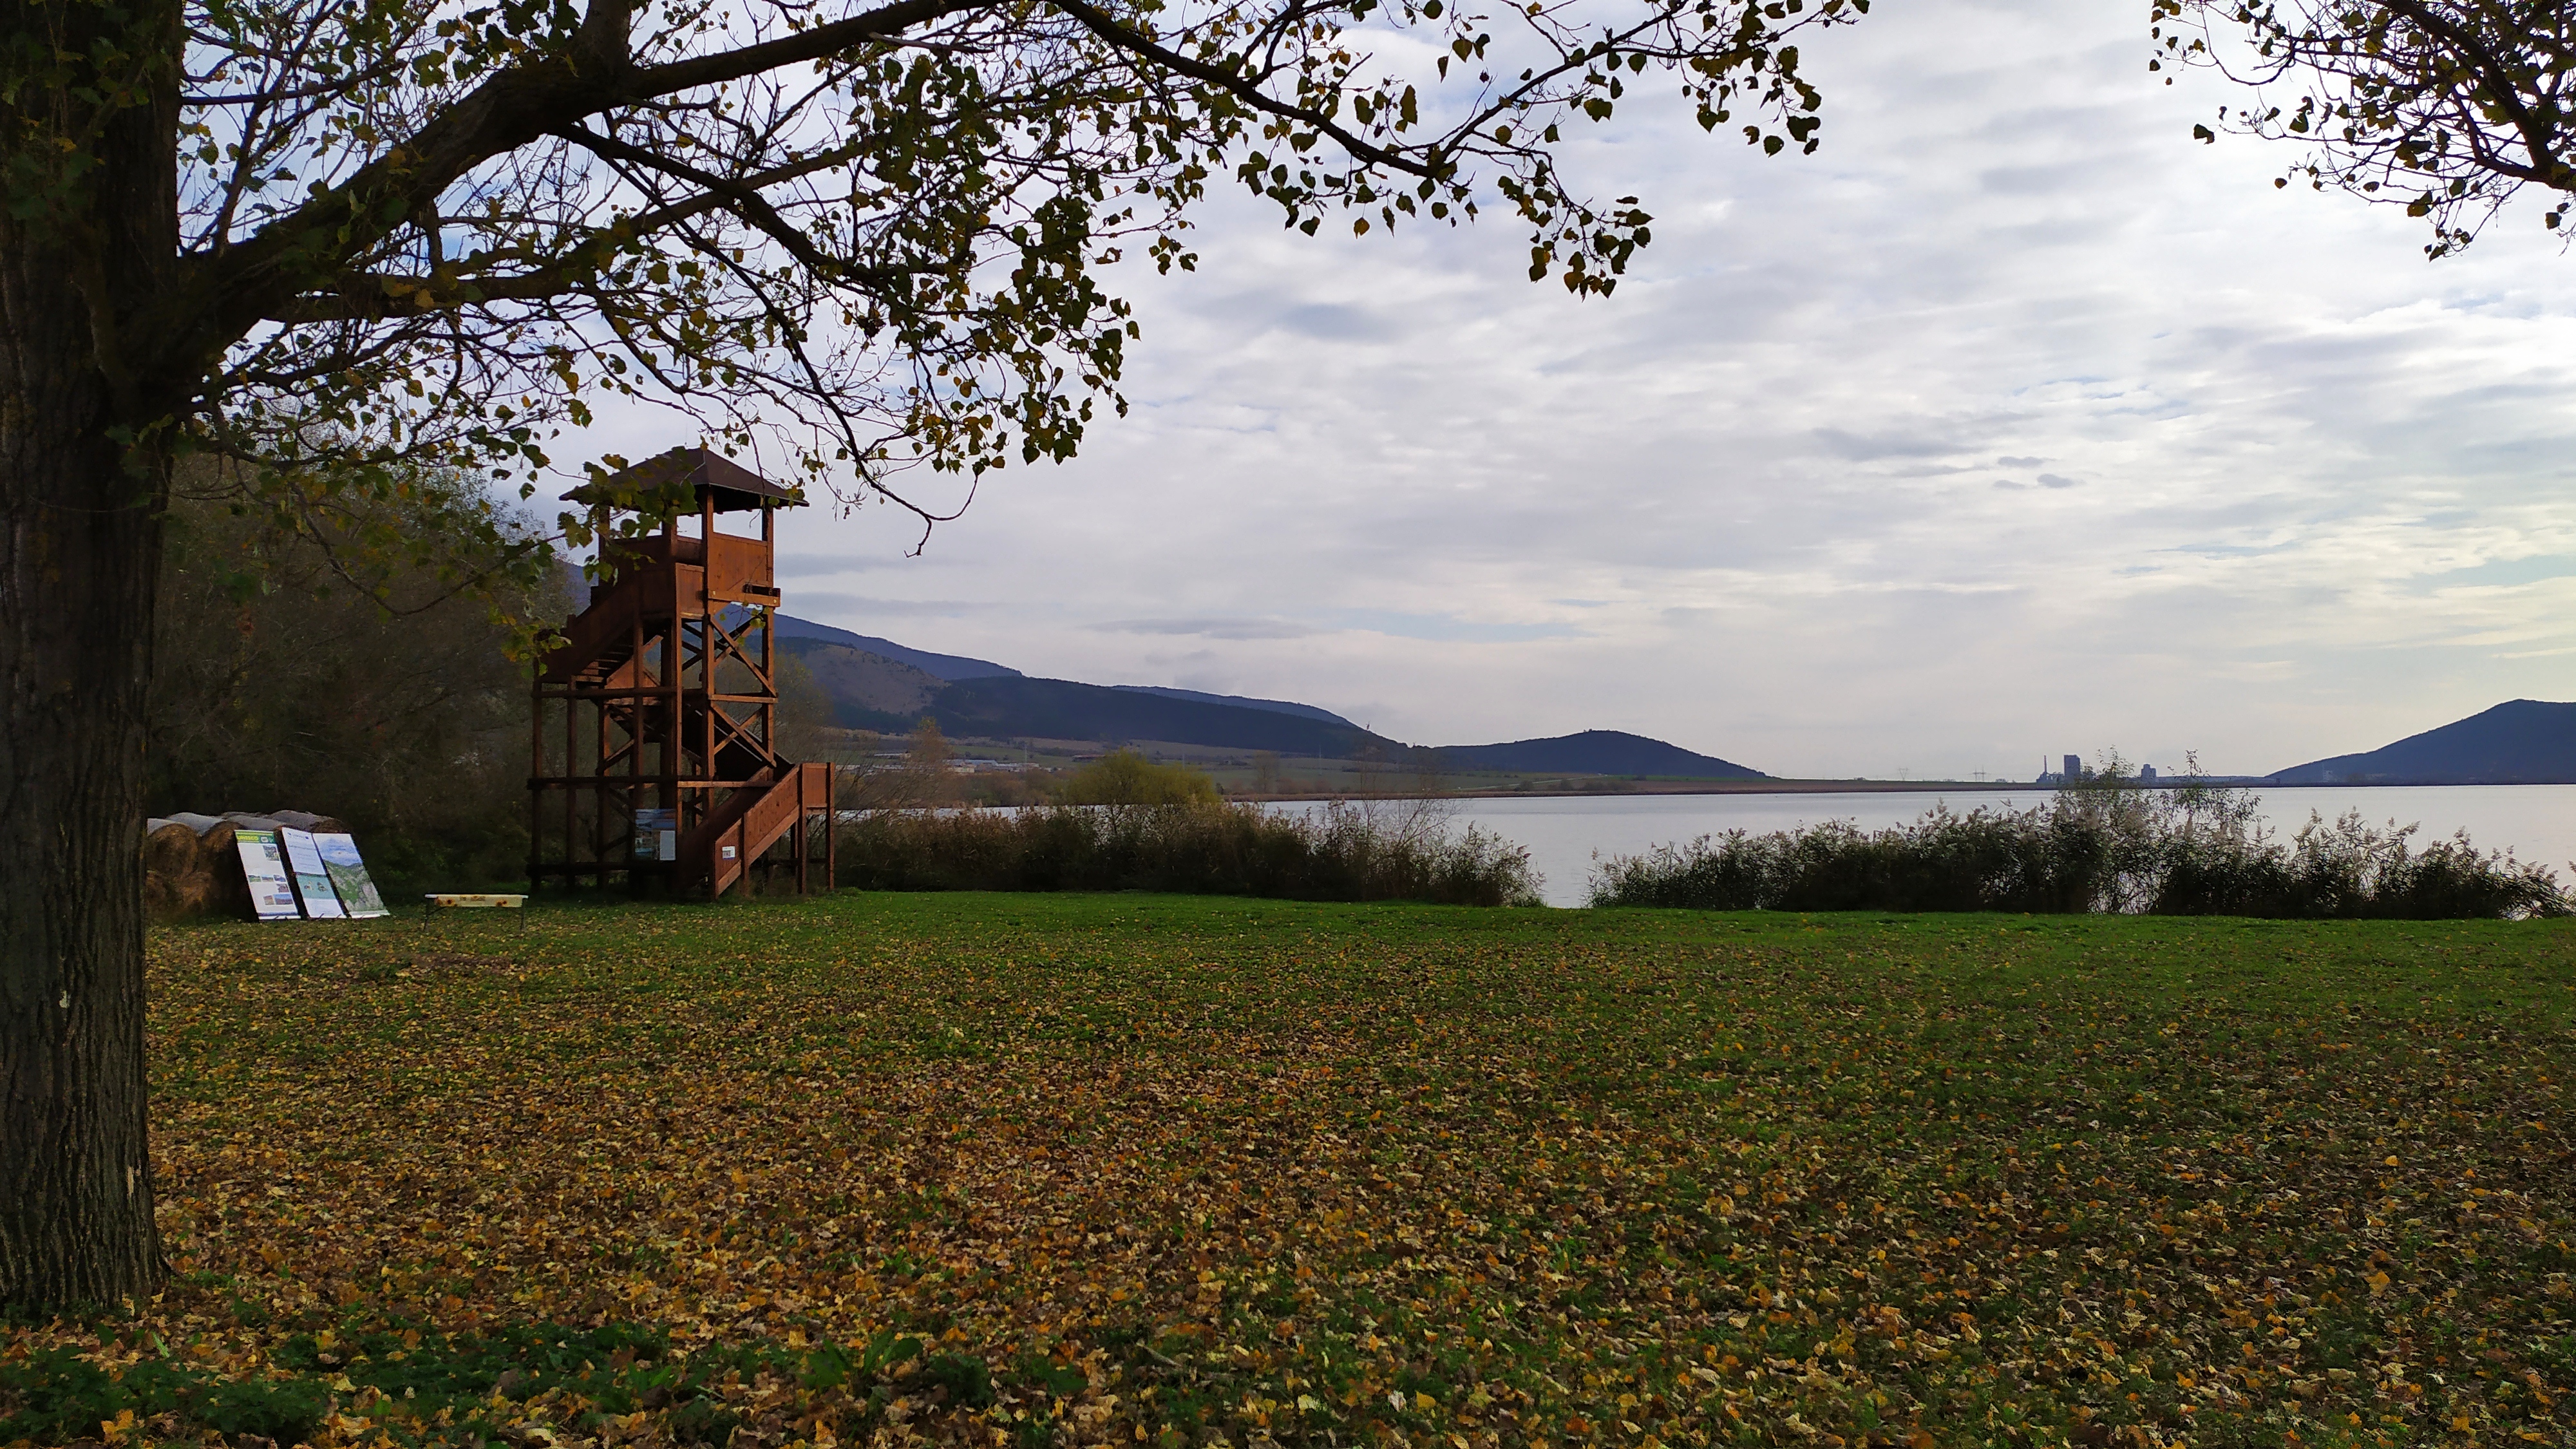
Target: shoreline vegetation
2106,844
1363,851
1126,823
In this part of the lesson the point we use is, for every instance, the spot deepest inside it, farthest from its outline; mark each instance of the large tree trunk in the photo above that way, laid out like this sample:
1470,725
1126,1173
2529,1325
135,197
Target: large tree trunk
77,564
84,474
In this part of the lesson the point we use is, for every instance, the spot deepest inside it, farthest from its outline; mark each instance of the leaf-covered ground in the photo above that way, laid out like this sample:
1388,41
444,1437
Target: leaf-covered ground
1021,1171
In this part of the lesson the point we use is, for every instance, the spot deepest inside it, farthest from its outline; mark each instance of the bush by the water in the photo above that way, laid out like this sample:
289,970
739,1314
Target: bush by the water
1348,853
2106,845
1124,777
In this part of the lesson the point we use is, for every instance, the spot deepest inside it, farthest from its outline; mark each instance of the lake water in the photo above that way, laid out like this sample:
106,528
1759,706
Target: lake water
1563,833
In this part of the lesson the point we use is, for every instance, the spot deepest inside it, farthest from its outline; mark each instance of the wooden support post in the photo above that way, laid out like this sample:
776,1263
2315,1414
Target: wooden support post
741,838
599,792
707,631
571,768
769,641
536,768
804,822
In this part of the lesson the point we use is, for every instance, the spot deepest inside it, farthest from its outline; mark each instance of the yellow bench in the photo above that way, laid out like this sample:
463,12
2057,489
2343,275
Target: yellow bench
473,901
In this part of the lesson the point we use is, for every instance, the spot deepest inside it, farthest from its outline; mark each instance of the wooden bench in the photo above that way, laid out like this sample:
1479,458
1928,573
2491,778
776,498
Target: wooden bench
437,901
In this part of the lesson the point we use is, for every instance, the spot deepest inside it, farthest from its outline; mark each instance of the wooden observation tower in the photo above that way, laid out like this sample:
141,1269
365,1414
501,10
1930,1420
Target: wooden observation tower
654,744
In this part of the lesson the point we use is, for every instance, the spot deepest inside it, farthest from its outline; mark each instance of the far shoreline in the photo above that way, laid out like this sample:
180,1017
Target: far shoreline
1868,787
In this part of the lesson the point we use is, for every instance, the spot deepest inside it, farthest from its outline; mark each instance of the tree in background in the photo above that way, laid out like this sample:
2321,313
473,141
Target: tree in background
275,687
1124,777
337,240
805,713
2448,108
928,752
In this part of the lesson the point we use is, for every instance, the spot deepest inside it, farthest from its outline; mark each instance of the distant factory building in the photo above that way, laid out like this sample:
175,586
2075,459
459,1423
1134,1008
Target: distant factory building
2072,772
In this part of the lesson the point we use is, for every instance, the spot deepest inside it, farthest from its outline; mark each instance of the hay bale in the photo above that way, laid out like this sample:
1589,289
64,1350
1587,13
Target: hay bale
191,866
176,884
308,822
219,851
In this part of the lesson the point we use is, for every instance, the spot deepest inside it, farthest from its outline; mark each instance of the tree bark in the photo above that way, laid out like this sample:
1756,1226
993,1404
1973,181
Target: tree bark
77,564
84,472
76,572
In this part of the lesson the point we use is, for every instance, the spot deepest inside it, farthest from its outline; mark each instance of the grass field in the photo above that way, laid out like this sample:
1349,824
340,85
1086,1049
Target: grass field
1023,1171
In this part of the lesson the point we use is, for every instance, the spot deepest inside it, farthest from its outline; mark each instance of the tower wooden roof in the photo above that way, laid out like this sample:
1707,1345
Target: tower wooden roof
707,474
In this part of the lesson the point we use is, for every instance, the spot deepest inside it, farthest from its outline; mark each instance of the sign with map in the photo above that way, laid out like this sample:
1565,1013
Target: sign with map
312,882
349,879
657,835
272,895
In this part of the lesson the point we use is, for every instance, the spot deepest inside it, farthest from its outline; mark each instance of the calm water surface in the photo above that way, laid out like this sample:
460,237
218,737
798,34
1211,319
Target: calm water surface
1563,833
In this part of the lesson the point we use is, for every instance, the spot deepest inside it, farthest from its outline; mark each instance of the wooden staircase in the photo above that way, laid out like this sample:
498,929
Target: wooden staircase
740,830
601,643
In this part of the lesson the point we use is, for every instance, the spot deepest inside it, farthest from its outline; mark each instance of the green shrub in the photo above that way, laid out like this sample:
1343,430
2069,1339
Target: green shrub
1346,854
1123,777
2105,845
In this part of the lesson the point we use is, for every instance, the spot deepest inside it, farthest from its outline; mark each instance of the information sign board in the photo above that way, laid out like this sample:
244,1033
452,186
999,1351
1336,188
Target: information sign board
657,835
272,896
312,882
349,878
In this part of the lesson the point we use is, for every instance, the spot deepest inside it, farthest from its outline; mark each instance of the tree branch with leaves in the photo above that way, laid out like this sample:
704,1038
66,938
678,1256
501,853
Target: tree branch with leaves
2448,108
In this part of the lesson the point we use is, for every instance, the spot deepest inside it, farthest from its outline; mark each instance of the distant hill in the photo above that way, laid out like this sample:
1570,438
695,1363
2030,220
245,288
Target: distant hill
872,691
2521,742
1597,752
879,685
938,666
1060,709
867,690
1302,711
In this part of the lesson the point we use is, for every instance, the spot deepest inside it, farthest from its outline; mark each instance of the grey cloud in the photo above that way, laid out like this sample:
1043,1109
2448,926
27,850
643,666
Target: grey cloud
826,607
2029,180
823,565
2051,480
1449,627
1895,443
1211,628
1337,323
2502,573
2019,462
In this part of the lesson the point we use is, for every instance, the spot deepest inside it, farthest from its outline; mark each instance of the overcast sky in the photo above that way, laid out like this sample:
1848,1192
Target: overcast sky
2011,423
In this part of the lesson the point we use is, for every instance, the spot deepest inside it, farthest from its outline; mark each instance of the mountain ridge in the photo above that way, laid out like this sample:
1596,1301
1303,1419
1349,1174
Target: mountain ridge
1605,752
878,684
949,667
2518,742
1244,701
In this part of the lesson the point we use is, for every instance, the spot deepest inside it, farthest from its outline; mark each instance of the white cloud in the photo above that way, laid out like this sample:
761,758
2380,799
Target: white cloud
2010,423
